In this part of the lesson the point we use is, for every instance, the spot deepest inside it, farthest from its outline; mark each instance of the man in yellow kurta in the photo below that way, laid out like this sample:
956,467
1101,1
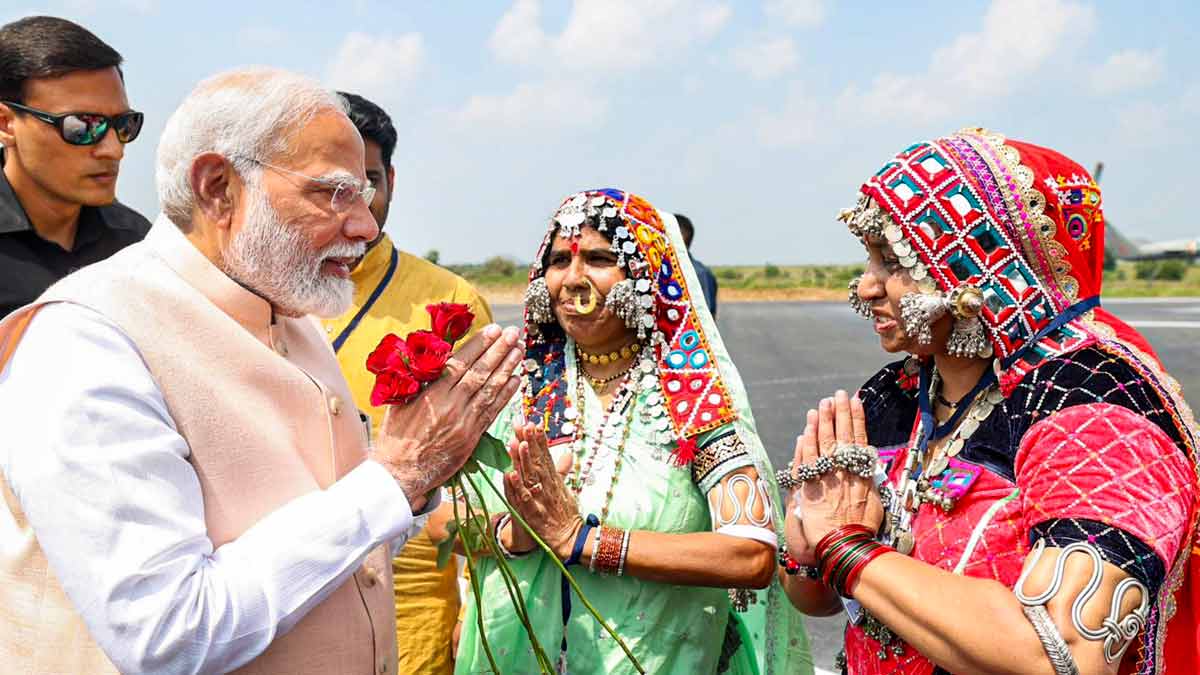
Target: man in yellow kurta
392,289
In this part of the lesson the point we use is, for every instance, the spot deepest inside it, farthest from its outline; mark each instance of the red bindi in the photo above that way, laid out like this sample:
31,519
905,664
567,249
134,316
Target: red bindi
575,247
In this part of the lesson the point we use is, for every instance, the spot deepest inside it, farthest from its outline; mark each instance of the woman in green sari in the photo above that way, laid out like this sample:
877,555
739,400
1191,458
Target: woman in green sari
636,459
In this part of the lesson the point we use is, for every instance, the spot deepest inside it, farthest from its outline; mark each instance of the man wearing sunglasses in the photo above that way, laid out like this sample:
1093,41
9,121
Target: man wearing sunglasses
64,123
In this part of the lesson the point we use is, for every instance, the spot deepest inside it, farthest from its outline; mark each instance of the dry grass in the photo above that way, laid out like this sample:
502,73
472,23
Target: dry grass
772,283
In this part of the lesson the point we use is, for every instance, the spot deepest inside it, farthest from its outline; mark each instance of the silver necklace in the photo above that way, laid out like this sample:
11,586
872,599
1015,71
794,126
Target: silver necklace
915,484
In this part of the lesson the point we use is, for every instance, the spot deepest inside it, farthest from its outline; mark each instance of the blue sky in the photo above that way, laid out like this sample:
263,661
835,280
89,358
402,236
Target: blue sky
757,118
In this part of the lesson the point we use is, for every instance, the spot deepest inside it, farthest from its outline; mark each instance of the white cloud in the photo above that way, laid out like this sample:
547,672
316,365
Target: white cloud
1189,101
1143,124
766,59
600,38
802,13
1017,39
518,37
799,122
376,66
1127,70
606,35
538,105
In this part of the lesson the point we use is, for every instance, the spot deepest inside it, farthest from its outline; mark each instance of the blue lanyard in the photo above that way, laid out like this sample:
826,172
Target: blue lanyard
387,277
590,522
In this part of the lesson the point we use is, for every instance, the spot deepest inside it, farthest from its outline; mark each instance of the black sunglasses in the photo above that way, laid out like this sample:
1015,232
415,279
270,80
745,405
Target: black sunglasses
87,128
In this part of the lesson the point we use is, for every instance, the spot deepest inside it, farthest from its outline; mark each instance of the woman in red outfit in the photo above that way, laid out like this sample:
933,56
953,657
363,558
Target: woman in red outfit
1034,509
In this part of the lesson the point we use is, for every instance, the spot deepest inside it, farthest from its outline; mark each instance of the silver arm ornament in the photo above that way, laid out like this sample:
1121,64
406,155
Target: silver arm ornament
756,491
1116,631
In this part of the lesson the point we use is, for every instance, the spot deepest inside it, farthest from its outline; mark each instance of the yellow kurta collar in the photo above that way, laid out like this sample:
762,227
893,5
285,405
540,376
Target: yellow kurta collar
367,273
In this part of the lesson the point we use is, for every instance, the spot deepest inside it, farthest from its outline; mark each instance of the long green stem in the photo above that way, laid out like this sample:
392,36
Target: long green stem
570,579
510,580
487,649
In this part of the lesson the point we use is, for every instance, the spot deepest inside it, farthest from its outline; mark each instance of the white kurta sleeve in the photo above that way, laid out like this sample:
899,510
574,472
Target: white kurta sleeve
101,473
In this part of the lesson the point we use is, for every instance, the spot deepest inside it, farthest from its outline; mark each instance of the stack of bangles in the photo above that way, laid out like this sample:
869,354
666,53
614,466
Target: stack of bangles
841,557
609,550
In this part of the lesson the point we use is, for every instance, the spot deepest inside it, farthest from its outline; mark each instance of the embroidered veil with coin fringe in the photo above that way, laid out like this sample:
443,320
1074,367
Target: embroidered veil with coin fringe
1008,238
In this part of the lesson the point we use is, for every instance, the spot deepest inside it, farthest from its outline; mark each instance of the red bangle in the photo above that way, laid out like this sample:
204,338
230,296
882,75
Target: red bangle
843,553
607,554
841,558
839,533
856,571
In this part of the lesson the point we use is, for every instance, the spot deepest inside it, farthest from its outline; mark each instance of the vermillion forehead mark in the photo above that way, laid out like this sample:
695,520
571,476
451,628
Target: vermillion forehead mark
574,247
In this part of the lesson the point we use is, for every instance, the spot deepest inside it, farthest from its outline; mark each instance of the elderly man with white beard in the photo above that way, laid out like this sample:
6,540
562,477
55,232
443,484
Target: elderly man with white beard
186,486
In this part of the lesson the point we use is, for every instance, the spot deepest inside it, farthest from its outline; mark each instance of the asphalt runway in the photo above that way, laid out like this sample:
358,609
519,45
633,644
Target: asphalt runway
792,354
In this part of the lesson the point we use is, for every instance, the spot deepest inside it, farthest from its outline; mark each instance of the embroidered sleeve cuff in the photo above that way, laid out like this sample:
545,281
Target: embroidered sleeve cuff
718,458
1116,546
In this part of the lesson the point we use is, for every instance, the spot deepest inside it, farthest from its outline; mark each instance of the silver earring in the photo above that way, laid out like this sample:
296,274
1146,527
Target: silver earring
861,307
968,338
919,311
622,299
537,301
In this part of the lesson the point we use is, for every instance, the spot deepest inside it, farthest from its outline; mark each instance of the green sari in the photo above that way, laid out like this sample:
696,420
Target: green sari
669,628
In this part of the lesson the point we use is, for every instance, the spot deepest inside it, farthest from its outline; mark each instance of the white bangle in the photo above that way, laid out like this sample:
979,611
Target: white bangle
595,550
500,523
624,551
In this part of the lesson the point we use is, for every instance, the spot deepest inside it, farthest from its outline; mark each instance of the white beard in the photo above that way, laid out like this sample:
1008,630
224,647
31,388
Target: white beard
273,259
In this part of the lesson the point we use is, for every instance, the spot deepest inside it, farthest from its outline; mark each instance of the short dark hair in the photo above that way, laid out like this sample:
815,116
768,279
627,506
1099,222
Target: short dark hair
47,46
686,229
373,123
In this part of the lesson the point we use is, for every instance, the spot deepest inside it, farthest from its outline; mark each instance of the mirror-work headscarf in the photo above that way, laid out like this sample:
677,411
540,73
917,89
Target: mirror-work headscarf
696,397
1021,227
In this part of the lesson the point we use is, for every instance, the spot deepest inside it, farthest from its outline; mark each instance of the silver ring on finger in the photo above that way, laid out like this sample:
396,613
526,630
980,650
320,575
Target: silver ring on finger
535,489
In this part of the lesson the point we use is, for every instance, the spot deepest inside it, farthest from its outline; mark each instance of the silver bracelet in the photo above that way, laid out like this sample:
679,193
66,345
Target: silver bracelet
500,523
1052,641
595,549
624,551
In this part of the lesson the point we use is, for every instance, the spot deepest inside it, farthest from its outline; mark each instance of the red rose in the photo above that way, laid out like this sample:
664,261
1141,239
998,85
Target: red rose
428,354
450,321
396,387
390,355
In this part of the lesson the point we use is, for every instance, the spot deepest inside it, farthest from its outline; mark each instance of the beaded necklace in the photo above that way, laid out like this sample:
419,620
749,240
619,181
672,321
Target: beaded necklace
599,383
623,395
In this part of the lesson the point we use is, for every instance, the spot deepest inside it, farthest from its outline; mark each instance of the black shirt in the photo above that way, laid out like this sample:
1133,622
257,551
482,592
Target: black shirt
30,264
